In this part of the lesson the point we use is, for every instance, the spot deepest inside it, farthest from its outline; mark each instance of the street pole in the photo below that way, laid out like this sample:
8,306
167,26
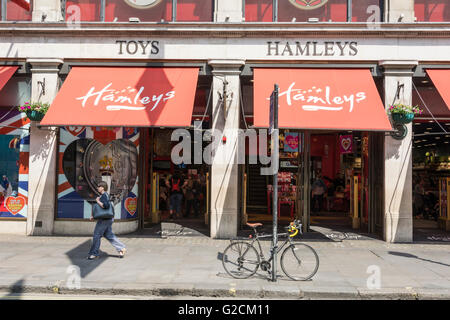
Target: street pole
275,151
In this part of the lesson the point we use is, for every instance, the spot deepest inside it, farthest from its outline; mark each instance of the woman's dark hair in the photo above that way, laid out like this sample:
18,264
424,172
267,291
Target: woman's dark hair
104,185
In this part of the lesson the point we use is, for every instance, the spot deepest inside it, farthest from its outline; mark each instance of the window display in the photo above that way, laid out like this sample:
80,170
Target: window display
432,10
301,10
14,141
145,10
18,10
91,155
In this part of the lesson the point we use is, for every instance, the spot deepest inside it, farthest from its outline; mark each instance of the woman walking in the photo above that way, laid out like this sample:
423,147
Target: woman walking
104,226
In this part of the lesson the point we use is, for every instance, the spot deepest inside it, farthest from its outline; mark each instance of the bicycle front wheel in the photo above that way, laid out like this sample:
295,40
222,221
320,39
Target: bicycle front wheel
240,260
299,262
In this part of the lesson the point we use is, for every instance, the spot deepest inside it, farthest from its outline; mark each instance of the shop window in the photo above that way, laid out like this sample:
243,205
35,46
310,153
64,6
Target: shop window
83,10
93,154
367,11
194,10
146,11
302,11
323,10
14,141
258,10
17,10
9,166
432,10
16,92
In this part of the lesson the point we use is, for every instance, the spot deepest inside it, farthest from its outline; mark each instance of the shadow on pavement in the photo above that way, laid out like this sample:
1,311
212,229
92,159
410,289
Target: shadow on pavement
78,257
16,290
408,255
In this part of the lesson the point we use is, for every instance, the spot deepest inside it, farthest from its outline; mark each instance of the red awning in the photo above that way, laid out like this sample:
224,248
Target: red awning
441,80
6,74
119,96
334,99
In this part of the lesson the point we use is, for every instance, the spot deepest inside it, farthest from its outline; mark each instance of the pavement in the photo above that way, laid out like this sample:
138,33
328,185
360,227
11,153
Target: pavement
175,262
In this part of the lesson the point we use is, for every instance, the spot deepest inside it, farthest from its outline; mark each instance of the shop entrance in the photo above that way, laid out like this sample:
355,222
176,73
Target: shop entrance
325,179
190,214
431,164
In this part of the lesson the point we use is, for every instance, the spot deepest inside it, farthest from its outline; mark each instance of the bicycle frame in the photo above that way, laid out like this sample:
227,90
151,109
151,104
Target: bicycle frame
279,248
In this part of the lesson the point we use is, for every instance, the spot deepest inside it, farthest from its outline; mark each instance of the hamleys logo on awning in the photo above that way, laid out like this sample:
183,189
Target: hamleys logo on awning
318,98
129,98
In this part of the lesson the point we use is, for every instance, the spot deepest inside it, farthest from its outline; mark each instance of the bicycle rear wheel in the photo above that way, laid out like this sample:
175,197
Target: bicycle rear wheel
240,260
299,262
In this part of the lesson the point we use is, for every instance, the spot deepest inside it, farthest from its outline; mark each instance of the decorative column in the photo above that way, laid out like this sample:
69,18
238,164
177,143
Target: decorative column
42,185
228,11
47,11
399,11
398,200
225,197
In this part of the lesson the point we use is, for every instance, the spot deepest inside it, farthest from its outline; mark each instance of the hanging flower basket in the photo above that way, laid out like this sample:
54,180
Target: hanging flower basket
403,118
35,111
403,114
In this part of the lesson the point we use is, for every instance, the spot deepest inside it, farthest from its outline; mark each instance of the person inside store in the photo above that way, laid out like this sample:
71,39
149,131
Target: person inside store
5,188
104,226
319,188
330,192
419,193
192,190
175,184
163,196
202,193
430,206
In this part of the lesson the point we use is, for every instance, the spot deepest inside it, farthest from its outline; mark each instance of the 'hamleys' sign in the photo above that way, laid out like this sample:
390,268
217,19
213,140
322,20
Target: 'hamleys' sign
317,98
129,98
125,96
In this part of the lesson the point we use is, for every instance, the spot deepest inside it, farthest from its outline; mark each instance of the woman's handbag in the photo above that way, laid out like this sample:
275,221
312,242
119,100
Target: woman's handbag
100,213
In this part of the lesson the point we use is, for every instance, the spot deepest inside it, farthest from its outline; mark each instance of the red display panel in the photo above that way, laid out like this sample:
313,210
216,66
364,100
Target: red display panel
258,10
432,10
16,12
367,11
302,10
195,10
145,10
82,10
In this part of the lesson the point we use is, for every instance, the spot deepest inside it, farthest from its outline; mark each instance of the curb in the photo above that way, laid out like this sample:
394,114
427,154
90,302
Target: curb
232,293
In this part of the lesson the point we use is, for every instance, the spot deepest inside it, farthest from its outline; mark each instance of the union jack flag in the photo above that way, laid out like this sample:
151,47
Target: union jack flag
14,126
70,203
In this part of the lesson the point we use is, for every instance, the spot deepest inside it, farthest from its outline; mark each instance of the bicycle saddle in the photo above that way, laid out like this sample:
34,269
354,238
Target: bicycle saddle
254,225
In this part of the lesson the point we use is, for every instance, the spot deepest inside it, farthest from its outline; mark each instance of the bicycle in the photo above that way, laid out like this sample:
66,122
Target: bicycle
241,260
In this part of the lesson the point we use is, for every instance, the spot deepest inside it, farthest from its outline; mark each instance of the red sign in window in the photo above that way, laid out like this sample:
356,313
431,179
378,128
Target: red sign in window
258,10
82,10
367,11
194,10
145,10
18,11
432,10
331,10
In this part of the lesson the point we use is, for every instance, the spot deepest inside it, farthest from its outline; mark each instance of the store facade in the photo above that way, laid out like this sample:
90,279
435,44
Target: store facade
226,56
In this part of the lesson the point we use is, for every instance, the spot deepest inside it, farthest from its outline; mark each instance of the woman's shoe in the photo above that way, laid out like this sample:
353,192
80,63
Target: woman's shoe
92,257
122,253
